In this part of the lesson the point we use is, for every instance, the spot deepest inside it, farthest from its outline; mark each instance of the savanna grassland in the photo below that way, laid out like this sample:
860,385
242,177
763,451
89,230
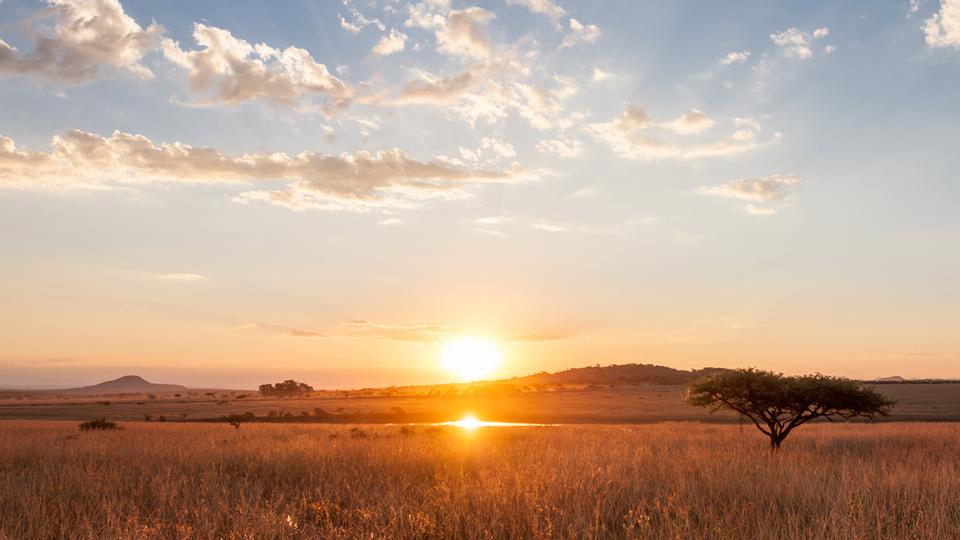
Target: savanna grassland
567,403
669,480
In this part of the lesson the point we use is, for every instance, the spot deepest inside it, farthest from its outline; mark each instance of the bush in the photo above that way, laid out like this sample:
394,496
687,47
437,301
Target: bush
286,388
98,424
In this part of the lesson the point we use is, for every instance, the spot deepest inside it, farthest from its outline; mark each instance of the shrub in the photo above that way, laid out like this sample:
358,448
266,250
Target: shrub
98,424
286,388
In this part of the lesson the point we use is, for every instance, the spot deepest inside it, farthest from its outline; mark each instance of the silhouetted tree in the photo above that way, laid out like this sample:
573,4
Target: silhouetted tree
286,388
777,404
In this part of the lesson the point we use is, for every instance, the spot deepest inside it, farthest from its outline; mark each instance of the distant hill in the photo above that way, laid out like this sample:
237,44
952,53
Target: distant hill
128,384
623,374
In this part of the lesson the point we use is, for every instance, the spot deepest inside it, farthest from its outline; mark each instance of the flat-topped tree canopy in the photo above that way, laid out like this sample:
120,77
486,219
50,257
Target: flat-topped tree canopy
777,403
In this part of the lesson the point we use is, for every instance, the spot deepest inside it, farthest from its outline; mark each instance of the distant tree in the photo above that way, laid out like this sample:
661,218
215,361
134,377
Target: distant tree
777,404
286,388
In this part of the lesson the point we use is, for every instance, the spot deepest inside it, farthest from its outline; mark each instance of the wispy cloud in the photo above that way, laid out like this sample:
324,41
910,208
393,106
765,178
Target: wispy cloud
181,276
313,180
634,135
759,194
411,332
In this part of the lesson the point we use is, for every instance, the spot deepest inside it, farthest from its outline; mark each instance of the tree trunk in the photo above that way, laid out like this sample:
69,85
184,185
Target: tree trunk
775,441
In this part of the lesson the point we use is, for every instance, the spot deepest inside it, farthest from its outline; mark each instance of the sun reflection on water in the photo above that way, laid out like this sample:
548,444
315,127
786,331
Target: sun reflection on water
471,422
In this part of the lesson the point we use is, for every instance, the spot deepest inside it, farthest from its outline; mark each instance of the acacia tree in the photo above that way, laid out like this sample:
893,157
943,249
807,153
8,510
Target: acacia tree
777,404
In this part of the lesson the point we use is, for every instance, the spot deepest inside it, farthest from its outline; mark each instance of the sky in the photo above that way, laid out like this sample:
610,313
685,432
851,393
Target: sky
225,193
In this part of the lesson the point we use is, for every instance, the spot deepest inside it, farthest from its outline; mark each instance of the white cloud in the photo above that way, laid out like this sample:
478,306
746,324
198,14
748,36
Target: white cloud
736,57
758,193
391,43
570,148
88,35
490,152
543,7
464,33
793,42
796,44
942,29
580,33
492,232
359,22
498,147
353,181
493,220
550,227
236,71
633,135
181,276
430,89
390,221
693,122
600,75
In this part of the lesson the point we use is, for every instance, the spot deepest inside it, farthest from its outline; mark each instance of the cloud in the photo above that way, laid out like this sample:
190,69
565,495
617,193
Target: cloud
233,71
550,227
181,276
796,44
755,192
359,22
464,33
391,43
569,148
490,91
736,57
942,29
360,180
600,75
693,122
430,89
87,36
493,220
635,135
411,332
793,43
580,33
542,7
459,32
390,221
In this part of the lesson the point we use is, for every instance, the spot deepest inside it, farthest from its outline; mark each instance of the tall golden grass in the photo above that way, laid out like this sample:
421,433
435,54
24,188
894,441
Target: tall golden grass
676,480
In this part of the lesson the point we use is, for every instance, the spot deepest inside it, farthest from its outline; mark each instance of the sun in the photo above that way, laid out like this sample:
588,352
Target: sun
471,358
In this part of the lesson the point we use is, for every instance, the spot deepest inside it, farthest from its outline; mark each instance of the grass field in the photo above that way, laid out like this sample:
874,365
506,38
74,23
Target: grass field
545,404
670,480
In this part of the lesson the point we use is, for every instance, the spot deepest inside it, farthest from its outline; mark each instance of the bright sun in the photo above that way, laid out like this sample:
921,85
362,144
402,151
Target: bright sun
471,358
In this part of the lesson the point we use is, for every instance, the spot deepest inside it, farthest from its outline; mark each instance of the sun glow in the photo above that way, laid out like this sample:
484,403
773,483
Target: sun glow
468,423
471,358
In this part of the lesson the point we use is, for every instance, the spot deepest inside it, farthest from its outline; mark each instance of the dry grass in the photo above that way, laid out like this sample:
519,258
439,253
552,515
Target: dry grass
655,481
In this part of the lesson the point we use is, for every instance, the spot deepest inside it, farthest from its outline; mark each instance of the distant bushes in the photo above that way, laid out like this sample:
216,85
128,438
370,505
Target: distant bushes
286,388
101,424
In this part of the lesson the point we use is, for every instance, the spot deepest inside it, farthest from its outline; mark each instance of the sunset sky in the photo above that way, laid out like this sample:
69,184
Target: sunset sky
224,193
